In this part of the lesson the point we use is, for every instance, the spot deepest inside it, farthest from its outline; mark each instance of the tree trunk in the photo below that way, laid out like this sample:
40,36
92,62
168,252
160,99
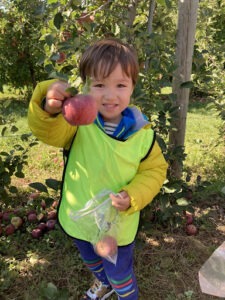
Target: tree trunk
131,12
149,27
150,15
186,27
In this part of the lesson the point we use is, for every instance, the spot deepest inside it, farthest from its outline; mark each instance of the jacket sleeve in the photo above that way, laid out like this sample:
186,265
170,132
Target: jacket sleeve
52,130
148,181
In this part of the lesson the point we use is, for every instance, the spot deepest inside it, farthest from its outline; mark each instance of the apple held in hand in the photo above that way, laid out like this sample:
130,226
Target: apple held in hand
107,246
80,110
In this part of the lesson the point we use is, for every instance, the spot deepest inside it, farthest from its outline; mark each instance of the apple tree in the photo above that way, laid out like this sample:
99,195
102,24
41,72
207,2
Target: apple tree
19,43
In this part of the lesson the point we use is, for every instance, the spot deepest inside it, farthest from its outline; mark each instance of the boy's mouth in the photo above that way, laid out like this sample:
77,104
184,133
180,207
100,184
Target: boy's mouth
110,106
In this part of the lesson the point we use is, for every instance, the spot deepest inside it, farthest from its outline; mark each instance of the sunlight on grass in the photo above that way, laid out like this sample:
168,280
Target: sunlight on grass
204,154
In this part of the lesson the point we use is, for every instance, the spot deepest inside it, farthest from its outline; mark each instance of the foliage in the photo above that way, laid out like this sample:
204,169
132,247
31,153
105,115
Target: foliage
209,56
19,44
13,161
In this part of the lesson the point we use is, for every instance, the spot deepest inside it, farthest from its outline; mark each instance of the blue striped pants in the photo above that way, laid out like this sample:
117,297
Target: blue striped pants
120,276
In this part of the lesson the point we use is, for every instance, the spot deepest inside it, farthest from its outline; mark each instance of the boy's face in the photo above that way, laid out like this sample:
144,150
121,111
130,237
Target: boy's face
112,94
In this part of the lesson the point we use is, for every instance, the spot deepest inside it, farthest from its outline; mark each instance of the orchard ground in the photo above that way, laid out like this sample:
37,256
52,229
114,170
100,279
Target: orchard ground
167,260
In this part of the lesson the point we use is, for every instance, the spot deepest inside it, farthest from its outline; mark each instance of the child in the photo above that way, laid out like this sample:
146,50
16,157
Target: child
117,152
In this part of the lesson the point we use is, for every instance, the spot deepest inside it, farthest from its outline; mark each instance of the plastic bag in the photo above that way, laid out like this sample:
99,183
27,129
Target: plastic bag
97,221
212,273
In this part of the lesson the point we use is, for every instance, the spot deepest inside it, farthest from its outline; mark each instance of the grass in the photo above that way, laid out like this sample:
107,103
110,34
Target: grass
204,148
167,261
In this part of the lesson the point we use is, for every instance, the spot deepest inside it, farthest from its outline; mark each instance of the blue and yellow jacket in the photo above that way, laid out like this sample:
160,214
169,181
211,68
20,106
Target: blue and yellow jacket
150,170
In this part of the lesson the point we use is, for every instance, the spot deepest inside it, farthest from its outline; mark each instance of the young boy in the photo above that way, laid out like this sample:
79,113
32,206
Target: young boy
117,152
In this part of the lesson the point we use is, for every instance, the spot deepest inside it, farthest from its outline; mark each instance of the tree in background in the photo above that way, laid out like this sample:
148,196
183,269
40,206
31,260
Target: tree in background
20,45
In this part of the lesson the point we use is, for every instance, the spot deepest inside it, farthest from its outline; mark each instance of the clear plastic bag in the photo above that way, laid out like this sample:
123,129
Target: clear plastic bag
212,273
97,222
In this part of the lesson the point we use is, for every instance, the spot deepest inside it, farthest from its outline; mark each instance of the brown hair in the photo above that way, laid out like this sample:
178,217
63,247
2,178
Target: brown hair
101,58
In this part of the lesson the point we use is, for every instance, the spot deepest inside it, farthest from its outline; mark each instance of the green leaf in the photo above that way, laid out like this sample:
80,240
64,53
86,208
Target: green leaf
51,291
72,90
58,20
33,144
13,189
169,191
187,85
223,190
162,2
53,184
166,90
52,1
58,75
39,186
182,202
3,131
19,175
49,68
49,39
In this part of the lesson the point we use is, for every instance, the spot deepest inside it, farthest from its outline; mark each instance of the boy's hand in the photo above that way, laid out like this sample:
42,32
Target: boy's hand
120,201
55,95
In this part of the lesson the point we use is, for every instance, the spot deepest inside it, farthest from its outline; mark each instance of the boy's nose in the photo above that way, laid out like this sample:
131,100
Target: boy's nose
109,94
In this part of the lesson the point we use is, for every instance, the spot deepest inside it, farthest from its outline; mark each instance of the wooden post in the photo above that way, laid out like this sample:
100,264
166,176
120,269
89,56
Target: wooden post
186,27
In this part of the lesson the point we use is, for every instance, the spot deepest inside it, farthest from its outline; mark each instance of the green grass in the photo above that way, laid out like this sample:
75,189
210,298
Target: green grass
203,145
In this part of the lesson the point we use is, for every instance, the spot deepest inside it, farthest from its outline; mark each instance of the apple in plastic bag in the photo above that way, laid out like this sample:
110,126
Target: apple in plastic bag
106,247
80,109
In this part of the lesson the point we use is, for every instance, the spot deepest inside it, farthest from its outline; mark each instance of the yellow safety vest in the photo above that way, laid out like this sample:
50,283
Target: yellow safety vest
99,162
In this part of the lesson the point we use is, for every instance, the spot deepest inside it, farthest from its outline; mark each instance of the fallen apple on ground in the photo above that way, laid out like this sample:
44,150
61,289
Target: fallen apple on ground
80,110
42,226
17,222
52,214
189,218
32,217
36,233
191,229
51,224
9,229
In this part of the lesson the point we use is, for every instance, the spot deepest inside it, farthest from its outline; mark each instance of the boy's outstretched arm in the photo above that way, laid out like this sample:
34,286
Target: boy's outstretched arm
47,123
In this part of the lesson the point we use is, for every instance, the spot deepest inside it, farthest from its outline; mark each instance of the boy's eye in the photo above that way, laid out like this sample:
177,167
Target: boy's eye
121,85
99,85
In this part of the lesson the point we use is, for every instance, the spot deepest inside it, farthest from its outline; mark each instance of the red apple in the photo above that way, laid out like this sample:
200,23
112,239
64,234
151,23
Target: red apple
55,204
52,215
51,224
9,229
43,204
189,218
36,233
80,110
34,195
191,229
107,246
32,217
16,222
42,226
62,58
6,216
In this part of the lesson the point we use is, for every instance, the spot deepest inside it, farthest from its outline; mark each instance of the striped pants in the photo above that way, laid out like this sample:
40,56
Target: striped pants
120,276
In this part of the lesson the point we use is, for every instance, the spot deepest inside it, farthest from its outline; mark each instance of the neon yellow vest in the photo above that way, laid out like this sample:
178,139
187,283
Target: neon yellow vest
98,162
